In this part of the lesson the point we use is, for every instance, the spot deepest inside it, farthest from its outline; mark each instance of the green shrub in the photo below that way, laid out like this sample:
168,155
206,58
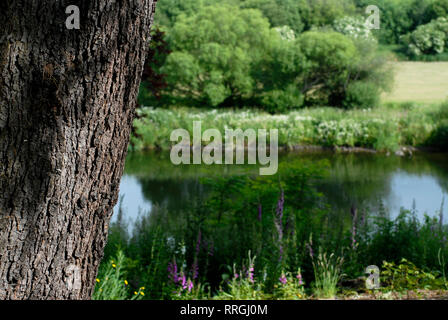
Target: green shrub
436,9
336,65
439,137
242,285
290,287
362,95
214,53
328,57
429,39
277,101
406,276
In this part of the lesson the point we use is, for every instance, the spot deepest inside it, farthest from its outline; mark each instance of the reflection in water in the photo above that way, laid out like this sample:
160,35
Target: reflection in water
132,197
354,180
414,190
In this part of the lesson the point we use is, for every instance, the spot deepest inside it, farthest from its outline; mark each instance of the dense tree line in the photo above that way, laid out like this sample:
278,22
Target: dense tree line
283,54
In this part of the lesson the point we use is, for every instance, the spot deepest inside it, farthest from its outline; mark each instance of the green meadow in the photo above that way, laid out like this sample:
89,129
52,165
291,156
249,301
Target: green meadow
424,82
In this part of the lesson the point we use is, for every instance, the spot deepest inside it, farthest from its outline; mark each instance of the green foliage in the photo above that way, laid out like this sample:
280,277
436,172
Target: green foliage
439,136
242,285
436,9
228,54
214,53
328,58
428,39
242,214
442,263
398,17
278,100
279,12
318,13
327,273
290,287
111,283
253,52
405,276
168,11
341,69
384,128
362,95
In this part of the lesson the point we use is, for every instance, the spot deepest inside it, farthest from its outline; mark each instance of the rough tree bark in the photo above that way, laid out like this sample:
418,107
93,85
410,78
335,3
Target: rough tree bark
67,100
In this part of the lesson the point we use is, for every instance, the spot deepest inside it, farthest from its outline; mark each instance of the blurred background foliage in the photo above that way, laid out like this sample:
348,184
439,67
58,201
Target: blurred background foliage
279,55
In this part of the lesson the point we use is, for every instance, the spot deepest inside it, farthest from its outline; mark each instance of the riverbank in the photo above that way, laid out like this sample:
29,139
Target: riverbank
388,128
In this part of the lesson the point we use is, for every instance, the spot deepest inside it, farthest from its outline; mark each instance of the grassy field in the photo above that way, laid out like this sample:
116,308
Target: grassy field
419,82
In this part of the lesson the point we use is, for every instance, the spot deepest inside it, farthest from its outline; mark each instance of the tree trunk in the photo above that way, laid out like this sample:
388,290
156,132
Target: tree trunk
67,101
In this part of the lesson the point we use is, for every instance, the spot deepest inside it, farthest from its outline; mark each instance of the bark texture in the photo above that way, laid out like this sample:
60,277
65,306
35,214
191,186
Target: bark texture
67,100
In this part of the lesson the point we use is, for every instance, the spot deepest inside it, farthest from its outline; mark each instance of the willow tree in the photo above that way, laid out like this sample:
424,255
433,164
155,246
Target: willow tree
67,100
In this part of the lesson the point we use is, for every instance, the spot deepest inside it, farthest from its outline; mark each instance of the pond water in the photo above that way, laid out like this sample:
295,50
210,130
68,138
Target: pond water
365,181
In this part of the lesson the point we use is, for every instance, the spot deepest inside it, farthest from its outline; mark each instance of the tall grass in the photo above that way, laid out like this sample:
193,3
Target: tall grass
327,273
111,283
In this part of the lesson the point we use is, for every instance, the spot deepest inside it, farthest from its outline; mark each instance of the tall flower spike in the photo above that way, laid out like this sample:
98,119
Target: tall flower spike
195,269
278,221
283,279
172,270
280,204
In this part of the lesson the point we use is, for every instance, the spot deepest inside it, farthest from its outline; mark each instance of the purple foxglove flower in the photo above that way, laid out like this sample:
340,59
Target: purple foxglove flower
299,277
280,205
283,279
195,269
250,274
172,270
190,285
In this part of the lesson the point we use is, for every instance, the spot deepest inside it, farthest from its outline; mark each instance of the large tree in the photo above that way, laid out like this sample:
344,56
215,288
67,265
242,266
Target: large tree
67,100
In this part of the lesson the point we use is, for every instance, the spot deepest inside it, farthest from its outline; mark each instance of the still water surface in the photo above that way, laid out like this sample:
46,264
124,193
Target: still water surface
360,180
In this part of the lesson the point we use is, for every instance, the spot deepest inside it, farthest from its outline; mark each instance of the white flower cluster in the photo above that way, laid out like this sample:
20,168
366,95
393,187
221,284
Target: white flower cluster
354,27
286,33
